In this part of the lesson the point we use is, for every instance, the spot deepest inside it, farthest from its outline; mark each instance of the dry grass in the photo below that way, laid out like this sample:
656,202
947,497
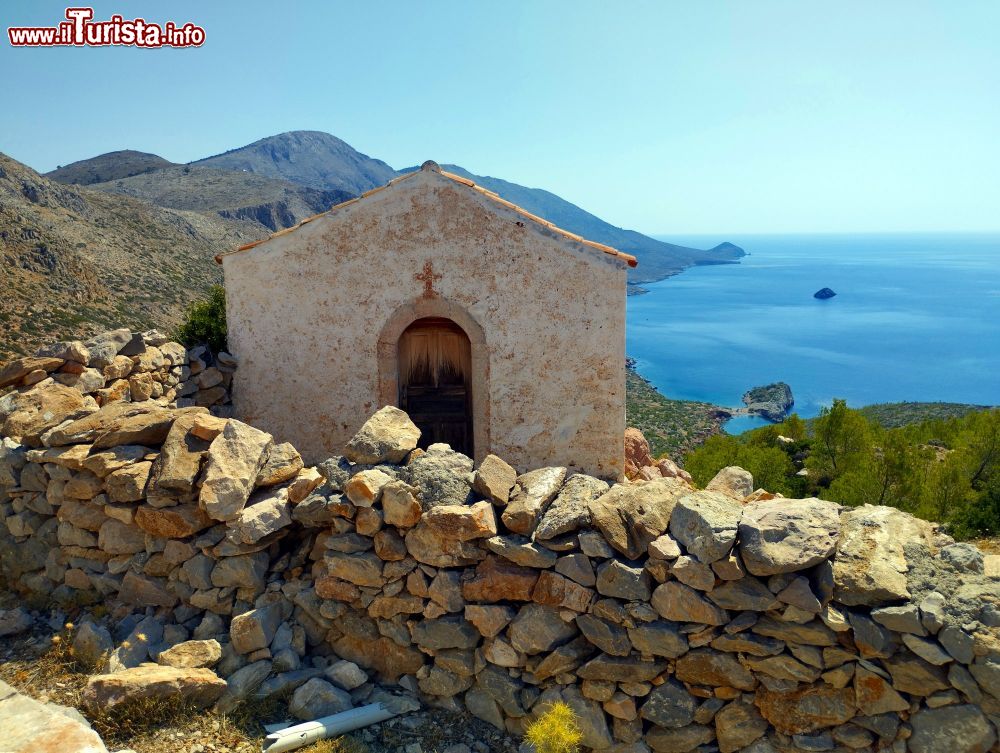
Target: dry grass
989,545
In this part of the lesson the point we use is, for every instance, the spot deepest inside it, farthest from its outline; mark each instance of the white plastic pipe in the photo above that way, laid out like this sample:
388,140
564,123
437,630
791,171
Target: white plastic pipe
300,735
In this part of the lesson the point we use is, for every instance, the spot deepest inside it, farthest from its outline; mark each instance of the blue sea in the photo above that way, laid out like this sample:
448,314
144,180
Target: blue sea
916,317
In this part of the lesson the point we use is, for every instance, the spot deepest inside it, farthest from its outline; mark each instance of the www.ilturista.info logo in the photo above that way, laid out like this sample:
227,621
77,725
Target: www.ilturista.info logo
79,30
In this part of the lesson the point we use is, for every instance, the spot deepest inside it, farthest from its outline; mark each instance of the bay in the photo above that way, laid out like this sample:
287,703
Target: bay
916,318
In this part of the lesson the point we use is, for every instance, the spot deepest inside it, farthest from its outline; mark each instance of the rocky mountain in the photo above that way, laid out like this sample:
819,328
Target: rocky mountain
657,259
110,166
309,158
76,260
272,202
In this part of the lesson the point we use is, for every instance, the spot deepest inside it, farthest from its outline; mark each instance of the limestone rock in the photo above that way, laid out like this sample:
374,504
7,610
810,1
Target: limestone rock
318,698
786,535
283,464
365,487
120,424
400,505
570,510
180,459
705,666
732,481
428,546
499,580
128,484
152,682
441,475
959,729
621,581
631,516
737,726
255,629
30,414
117,538
870,565
494,480
91,645
538,628
462,522
33,727
14,621
191,654
679,603
705,523
346,674
387,437
532,495
177,522
806,709
267,512
235,457
13,371
521,551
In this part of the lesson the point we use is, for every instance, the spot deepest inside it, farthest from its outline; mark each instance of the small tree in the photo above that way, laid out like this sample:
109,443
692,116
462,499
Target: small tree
205,321
555,731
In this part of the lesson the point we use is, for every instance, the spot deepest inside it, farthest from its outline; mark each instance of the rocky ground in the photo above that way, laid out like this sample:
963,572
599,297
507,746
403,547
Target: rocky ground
40,664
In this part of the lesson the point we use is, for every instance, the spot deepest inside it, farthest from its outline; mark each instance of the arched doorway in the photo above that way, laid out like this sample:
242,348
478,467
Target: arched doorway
435,381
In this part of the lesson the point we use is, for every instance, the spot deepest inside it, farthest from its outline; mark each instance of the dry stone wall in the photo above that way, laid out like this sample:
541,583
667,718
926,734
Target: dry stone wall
670,619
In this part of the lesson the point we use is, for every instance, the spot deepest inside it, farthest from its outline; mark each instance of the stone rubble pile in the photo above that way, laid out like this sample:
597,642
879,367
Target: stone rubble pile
670,619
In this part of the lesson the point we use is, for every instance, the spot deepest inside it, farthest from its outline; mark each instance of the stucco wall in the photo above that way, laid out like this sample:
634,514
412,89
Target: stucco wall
306,310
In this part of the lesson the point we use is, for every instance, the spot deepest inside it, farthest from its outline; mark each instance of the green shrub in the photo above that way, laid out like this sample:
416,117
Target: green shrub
205,321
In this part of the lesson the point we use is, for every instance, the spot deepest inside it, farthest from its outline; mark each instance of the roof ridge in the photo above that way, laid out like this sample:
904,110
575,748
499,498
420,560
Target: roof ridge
431,166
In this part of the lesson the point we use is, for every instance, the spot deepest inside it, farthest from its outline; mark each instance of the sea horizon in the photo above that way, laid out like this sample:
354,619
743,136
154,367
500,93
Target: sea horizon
912,320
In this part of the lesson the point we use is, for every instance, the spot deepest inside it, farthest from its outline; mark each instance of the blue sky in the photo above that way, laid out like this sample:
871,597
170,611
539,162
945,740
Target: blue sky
667,117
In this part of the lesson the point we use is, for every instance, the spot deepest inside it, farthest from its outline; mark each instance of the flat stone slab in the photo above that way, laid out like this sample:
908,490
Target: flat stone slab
32,727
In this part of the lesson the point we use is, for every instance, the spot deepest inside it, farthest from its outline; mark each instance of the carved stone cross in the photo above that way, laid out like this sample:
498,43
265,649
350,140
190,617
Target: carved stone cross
427,277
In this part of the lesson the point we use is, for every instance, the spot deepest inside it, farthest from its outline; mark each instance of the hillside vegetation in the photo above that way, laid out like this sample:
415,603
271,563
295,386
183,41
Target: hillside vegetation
77,261
672,427
945,469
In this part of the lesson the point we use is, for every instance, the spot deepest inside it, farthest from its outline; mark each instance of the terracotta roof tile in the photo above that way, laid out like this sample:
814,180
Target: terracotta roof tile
627,258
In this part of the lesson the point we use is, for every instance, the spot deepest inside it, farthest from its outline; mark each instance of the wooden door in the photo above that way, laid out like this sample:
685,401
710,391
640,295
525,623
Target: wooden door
435,382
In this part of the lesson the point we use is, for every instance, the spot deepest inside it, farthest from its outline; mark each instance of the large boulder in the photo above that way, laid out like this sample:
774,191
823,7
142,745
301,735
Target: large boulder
870,566
637,452
387,437
631,516
786,535
235,457
152,682
732,481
